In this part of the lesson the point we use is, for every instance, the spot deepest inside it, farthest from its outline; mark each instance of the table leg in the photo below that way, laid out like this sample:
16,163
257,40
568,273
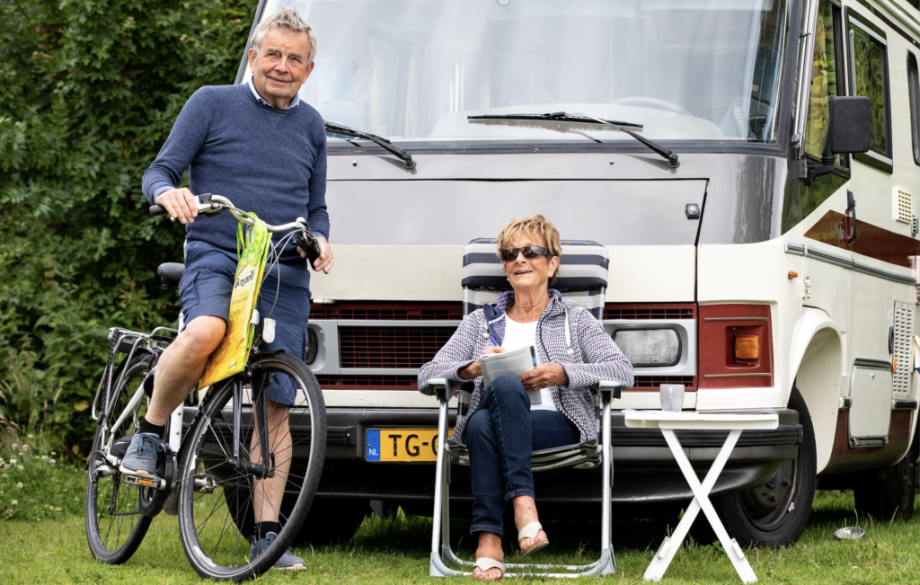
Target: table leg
668,549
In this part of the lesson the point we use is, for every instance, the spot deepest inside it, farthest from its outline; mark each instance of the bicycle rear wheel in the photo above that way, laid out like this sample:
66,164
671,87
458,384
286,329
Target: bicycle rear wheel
115,526
219,498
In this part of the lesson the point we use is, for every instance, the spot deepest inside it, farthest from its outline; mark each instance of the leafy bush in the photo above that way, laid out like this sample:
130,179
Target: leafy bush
89,90
35,484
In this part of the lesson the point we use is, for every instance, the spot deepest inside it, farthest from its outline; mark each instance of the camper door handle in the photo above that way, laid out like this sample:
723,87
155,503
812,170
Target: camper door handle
851,218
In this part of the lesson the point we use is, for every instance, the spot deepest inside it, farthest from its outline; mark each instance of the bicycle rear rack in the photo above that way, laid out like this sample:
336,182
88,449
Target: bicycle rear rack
126,341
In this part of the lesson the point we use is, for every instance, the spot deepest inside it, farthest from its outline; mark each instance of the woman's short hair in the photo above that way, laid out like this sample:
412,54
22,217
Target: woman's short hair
535,224
285,19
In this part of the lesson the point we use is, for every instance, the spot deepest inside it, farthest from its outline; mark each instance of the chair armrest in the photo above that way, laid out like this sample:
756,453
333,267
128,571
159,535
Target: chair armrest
442,389
610,388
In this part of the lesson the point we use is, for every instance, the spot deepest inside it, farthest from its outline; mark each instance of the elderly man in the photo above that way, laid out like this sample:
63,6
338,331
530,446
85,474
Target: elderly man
259,145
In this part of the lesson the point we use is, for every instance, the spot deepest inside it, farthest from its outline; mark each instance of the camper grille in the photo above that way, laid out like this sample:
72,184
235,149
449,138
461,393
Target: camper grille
901,205
903,325
390,347
368,382
389,311
650,311
689,382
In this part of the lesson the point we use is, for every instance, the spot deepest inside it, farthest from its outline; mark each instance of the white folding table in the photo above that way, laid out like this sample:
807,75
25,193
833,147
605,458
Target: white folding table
668,422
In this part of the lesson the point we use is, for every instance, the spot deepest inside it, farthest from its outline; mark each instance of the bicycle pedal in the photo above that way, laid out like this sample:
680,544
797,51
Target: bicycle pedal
205,484
155,483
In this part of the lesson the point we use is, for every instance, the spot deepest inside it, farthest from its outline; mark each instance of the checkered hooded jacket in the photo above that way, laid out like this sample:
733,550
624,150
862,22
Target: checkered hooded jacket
567,334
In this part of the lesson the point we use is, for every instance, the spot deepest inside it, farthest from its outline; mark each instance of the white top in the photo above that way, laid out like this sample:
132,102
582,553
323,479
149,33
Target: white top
518,335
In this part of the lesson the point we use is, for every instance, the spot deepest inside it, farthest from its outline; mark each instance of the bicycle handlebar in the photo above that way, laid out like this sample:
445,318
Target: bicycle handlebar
209,204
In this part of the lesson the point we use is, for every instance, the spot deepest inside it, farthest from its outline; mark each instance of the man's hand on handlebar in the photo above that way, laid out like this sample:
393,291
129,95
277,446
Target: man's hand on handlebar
180,203
324,262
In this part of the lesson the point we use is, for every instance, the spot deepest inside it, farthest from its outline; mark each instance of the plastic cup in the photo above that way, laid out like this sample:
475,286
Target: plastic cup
672,397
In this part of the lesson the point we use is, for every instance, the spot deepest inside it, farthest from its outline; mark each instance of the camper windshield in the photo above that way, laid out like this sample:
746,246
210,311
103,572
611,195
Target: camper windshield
414,70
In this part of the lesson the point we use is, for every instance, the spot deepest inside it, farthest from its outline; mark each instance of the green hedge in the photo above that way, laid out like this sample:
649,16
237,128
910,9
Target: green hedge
89,90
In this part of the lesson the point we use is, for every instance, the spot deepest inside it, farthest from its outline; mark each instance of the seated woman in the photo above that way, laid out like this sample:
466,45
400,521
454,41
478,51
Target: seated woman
502,427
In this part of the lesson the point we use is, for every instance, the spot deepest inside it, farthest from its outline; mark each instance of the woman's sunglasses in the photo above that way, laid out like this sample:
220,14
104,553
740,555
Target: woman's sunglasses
509,254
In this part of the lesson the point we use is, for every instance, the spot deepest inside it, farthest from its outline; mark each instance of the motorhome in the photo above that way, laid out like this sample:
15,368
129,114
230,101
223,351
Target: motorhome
762,236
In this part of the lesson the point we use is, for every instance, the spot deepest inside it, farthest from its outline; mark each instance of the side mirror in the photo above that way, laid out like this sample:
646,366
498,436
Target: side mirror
848,131
848,126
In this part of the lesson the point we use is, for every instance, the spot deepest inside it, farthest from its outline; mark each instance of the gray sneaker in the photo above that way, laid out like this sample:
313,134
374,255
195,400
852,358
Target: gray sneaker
141,458
287,561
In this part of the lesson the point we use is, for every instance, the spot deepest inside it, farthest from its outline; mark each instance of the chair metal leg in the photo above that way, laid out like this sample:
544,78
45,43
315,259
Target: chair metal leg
447,554
608,562
437,567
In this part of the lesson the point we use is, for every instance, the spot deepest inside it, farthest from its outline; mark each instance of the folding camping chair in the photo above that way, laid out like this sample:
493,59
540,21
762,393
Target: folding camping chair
583,278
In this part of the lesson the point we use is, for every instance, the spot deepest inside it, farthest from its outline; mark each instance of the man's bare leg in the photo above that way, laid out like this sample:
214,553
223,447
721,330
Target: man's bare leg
182,364
178,371
269,492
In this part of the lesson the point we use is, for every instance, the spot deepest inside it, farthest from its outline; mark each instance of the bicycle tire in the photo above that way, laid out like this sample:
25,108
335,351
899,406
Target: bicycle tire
210,523
119,499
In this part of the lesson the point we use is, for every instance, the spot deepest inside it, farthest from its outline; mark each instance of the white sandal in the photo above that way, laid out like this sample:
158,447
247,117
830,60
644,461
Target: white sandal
484,564
531,531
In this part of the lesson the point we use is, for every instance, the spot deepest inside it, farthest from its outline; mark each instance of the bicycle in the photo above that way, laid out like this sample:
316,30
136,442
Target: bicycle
211,474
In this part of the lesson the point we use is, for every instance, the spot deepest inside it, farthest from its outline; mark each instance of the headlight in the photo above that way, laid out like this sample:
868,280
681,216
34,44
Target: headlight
312,348
649,347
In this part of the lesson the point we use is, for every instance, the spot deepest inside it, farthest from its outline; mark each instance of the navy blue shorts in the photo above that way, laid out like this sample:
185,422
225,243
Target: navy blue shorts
206,287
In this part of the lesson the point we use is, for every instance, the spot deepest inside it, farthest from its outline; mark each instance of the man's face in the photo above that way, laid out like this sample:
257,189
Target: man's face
279,68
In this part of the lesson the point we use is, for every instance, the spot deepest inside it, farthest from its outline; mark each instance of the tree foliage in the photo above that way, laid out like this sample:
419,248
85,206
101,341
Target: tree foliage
89,90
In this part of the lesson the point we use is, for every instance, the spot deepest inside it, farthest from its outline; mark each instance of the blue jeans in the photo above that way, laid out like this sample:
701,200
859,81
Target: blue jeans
501,435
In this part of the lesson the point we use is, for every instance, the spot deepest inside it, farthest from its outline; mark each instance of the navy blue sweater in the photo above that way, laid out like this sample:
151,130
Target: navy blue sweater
268,161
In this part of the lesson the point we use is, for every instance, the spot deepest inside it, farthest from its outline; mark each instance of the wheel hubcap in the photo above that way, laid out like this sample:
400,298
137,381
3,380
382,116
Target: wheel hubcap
767,506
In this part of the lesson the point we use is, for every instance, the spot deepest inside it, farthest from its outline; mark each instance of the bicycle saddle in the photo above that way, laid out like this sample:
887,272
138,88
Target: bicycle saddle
170,274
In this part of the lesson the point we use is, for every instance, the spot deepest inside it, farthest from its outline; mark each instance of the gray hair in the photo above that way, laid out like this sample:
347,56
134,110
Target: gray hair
285,19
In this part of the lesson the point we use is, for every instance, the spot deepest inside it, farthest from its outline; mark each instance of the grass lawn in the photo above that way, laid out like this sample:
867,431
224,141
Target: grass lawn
395,550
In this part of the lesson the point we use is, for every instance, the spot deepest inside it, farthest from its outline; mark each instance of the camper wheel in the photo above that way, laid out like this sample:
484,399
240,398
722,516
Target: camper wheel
774,514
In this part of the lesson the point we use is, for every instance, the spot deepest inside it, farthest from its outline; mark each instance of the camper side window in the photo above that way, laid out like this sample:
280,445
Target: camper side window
824,77
869,77
913,91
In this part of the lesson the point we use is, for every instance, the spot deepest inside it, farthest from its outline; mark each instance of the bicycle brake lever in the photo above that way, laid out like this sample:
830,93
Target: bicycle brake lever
307,242
208,207
310,246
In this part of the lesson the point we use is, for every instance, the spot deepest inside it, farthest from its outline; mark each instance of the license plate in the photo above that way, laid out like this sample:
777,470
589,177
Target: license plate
401,444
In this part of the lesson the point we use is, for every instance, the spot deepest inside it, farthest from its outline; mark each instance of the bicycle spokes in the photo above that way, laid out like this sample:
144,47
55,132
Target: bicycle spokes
115,525
259,454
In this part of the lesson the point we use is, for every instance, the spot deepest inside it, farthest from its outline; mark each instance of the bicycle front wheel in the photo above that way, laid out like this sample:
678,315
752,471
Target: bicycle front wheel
221,496
115,526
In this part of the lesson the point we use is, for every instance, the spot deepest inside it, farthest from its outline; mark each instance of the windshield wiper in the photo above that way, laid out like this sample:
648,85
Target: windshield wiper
576,117
337,128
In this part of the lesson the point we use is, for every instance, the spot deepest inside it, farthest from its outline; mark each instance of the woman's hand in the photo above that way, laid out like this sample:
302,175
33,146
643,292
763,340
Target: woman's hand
543,376
474,370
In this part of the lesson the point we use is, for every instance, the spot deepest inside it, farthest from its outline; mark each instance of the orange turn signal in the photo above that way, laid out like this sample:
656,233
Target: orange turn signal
747,347
894,364
793,274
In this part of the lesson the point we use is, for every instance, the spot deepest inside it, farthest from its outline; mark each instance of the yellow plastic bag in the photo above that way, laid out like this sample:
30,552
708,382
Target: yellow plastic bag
231,355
